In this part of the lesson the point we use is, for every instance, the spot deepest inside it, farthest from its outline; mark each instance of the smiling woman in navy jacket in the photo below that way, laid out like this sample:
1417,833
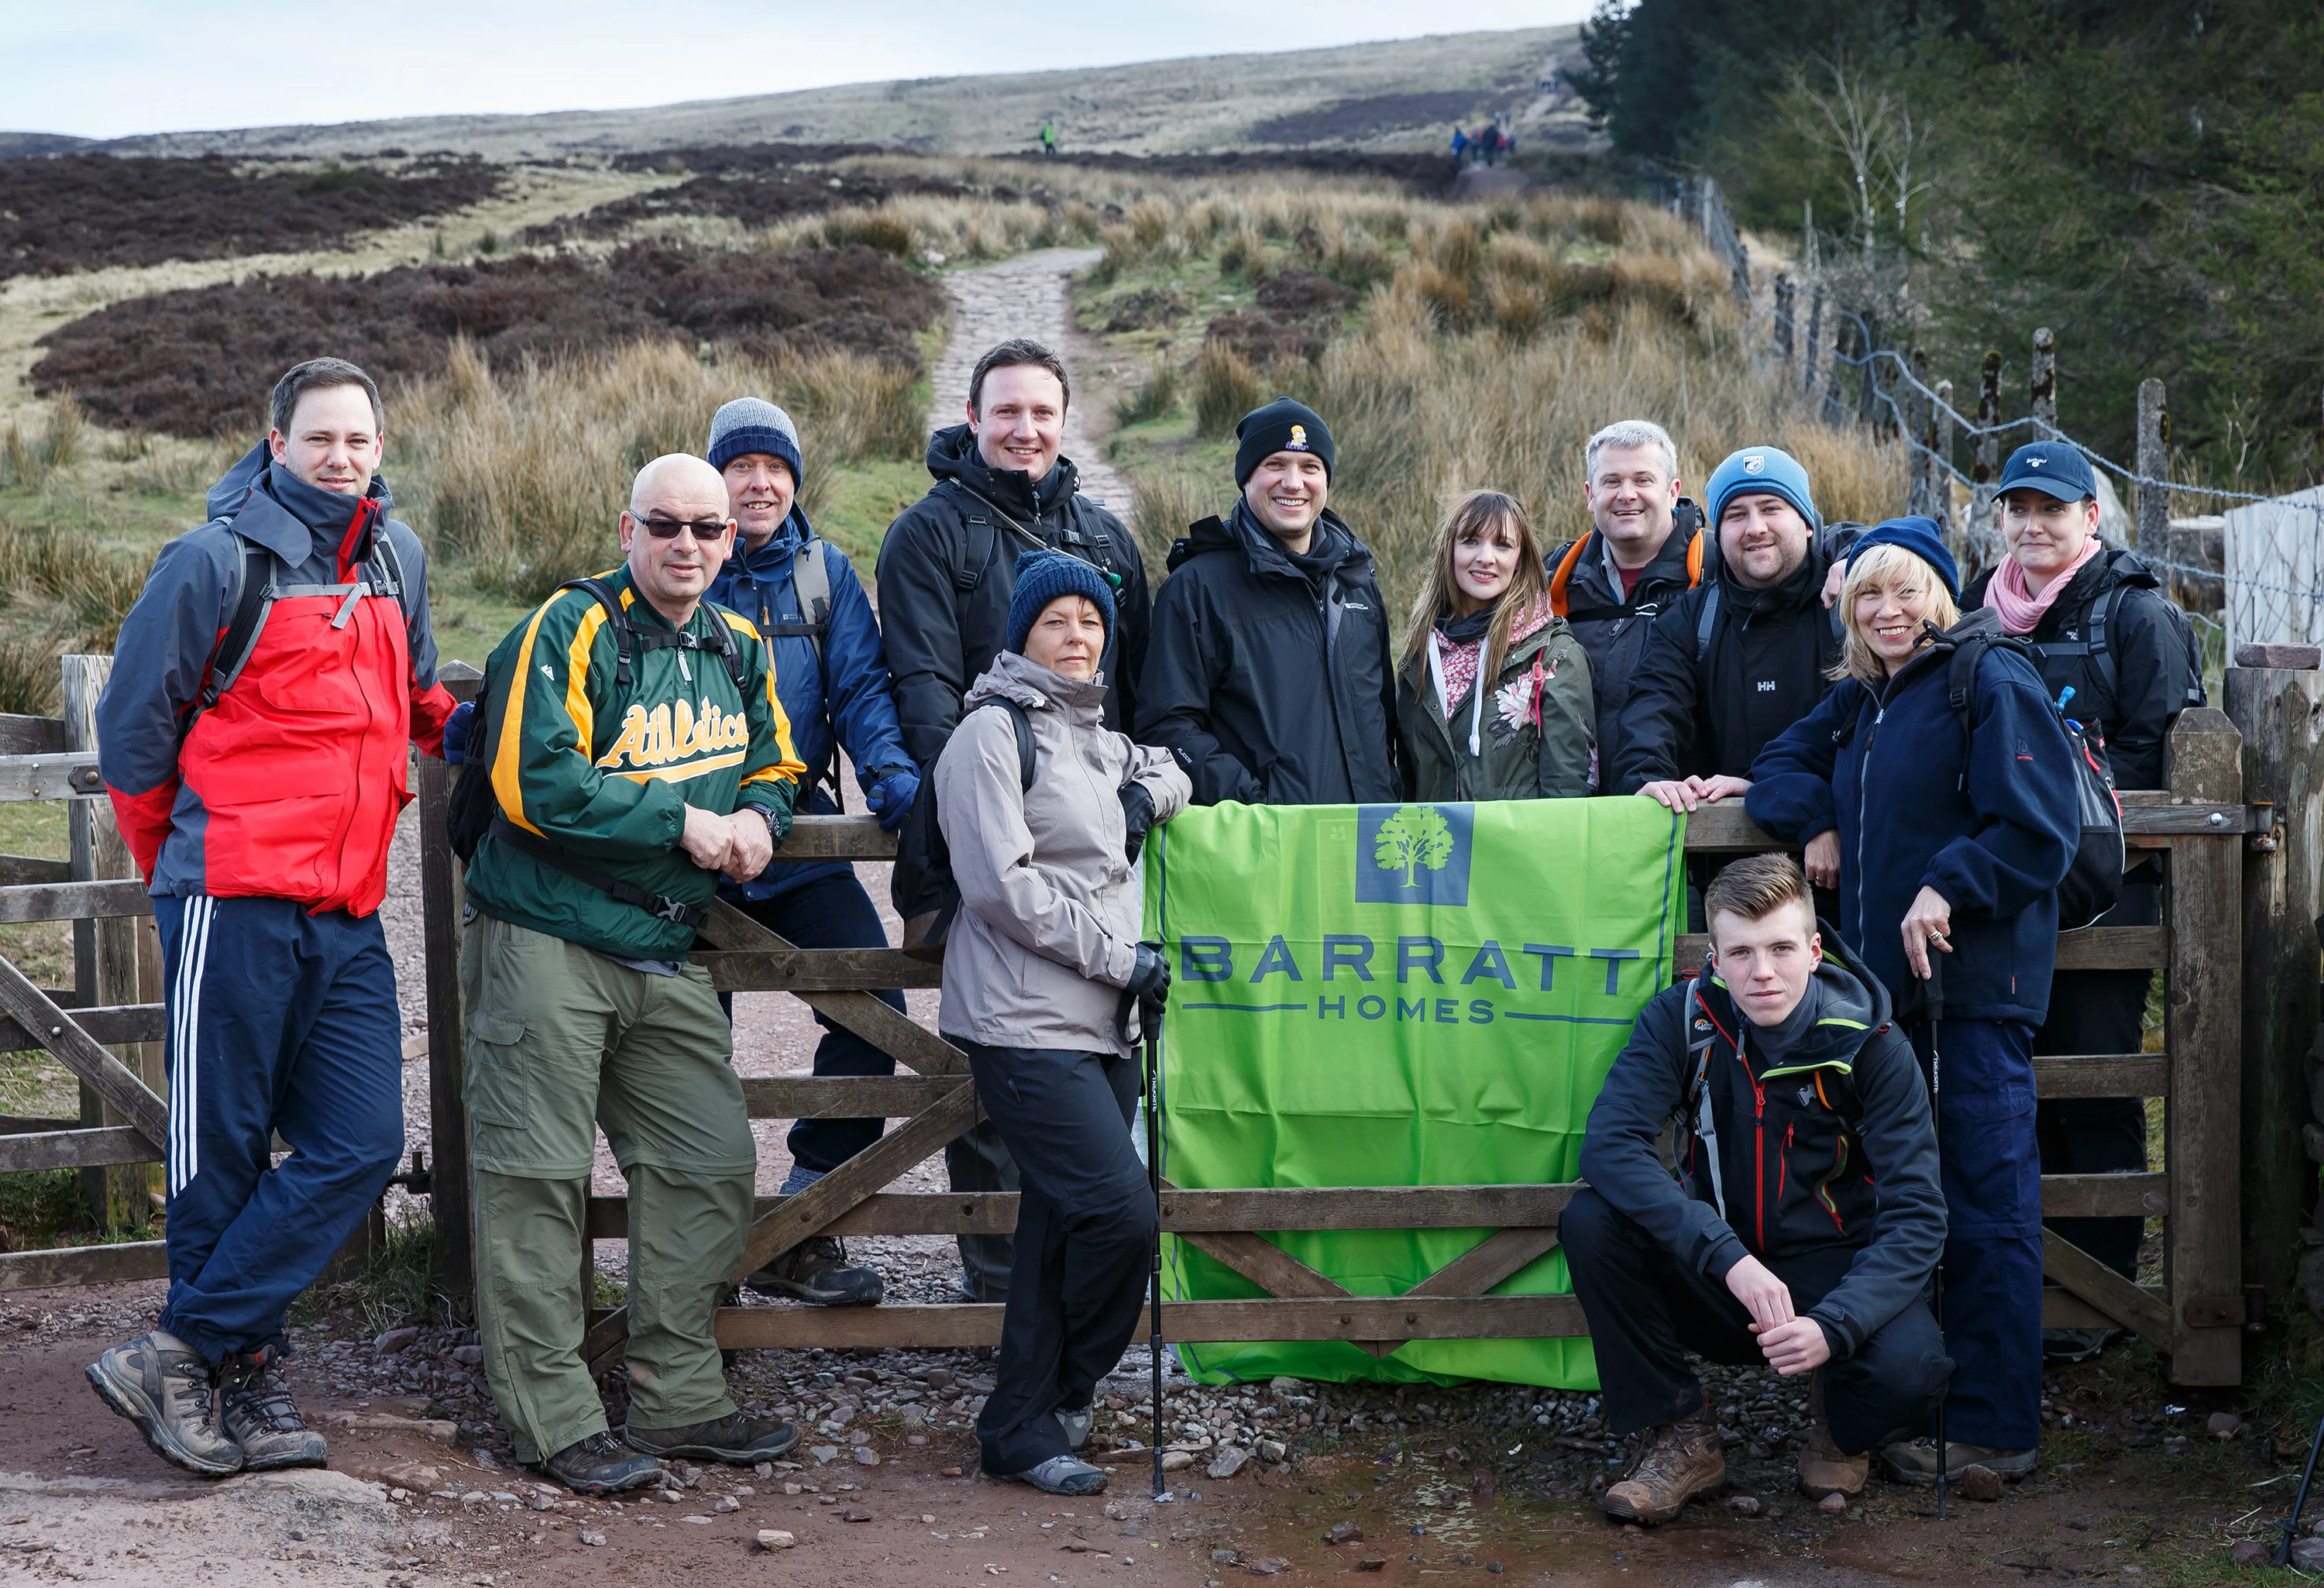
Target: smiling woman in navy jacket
1955,828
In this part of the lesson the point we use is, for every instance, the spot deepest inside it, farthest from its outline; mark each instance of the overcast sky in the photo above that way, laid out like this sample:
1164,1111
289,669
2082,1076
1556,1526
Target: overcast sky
108,68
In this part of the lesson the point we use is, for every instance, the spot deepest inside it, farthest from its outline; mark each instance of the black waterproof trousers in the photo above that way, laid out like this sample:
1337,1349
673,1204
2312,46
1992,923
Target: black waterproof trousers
1085,1224
1646,1310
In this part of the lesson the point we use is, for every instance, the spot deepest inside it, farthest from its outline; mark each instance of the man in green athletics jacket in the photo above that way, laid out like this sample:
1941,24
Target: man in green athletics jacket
633,759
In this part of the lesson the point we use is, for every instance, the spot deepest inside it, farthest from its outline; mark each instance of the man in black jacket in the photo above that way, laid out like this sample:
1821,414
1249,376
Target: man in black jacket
2112,637
1644,546
1742,656
948,563
1806,1218
1268,674
945,573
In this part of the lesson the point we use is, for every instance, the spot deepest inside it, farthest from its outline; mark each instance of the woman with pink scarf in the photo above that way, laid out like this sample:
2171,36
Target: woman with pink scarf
1492,694
2122,659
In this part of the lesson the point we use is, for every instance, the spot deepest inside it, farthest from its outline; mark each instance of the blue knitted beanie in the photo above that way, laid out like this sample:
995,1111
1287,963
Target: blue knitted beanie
1044,575
1921,538
1764,471
752,424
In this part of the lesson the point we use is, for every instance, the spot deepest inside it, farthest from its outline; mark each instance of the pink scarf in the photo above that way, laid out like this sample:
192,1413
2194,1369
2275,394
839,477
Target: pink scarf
2021,610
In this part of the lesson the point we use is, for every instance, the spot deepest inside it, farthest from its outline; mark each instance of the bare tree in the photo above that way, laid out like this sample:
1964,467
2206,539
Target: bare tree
1869,128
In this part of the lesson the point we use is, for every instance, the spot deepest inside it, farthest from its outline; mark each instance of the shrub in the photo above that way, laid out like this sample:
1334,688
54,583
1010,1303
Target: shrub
1226,387
96,587
1154,397
1264,341
1164,502
201,361
86,211
27,461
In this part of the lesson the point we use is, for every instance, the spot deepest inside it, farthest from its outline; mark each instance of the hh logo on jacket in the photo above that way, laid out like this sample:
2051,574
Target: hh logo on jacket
675,743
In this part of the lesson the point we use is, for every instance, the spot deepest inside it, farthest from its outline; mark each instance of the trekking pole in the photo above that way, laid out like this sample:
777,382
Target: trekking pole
1936,1002
1154,1302
2291,1525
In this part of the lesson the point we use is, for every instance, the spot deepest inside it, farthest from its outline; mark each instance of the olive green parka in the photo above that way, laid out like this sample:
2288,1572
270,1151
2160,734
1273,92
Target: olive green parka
1536,740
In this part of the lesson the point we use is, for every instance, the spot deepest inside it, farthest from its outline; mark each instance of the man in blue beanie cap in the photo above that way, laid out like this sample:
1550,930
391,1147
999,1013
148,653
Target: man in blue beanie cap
831,673
1744,655
1268,675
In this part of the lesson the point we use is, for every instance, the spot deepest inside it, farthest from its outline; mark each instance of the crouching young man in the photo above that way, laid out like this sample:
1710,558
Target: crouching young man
1805,1218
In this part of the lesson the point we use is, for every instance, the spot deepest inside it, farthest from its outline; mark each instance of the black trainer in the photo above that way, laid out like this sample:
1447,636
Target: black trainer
255,1407
735,1439
818,1270
600,1464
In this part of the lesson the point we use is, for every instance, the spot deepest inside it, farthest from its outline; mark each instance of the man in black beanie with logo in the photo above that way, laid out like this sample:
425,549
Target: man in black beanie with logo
1268,673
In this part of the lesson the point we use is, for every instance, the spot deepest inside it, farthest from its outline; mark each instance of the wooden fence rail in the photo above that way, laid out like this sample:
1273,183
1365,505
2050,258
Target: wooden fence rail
2201,826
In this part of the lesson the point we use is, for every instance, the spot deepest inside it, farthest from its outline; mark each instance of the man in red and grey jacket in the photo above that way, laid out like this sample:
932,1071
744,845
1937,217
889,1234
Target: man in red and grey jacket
255,738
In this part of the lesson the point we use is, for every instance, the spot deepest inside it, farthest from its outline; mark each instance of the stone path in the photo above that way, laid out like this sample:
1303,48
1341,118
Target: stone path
1028,296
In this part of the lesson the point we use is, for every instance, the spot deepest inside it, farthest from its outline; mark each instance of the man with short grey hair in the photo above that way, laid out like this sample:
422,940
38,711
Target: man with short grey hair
1644,546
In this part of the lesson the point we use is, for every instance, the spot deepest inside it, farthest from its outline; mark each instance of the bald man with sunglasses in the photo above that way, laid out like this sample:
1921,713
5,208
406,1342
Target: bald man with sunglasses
637,752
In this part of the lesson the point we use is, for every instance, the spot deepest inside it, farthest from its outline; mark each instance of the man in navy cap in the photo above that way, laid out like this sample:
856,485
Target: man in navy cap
2123,660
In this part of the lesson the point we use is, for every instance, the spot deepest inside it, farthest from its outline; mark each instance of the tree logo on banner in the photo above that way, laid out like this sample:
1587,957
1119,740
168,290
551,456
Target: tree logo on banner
1415,835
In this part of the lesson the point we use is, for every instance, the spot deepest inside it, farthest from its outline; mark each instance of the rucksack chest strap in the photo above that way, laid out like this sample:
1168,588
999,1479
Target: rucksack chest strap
660,906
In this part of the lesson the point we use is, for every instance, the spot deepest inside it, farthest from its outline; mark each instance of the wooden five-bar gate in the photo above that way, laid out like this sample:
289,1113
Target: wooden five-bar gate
2207,832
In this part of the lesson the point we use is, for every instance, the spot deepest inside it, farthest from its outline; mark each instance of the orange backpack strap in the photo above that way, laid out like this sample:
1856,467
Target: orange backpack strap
1694,558
1563,574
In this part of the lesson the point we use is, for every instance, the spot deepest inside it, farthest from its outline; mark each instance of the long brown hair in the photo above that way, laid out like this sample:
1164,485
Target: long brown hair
1476,513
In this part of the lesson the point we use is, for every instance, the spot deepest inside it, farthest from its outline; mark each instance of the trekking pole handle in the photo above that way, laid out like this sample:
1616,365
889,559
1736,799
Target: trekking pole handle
1935,985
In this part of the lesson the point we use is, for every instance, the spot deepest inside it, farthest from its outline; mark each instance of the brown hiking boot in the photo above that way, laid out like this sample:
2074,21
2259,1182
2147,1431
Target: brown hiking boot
1683,1462
1824,1470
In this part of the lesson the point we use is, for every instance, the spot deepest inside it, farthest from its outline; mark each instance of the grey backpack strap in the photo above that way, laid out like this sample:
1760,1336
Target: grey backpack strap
811,583
1707,621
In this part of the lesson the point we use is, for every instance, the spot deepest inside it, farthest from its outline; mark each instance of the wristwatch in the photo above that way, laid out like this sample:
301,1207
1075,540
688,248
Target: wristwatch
768,814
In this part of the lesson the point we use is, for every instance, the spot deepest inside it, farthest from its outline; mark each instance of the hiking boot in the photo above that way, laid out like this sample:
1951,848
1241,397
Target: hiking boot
1062,1474
1823,1469
1915,1461
818,1270
1683,1461
735,1439
1076,1425
162,1385
254,1406
600,1464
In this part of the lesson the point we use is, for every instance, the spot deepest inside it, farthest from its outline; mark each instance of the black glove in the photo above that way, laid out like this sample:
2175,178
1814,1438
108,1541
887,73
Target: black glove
1137,821
1148,990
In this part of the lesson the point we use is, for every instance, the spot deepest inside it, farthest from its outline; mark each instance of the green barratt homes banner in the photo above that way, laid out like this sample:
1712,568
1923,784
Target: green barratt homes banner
1401,995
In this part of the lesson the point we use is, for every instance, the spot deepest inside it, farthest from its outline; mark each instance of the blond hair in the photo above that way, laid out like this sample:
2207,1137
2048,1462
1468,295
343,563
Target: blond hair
1529,584
1879,565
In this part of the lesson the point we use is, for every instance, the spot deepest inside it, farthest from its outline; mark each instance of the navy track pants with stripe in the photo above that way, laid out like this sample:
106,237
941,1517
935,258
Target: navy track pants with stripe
278,1022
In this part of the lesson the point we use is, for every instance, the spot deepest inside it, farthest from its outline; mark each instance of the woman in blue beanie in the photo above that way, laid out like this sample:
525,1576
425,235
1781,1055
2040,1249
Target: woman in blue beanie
1955,827
1045,989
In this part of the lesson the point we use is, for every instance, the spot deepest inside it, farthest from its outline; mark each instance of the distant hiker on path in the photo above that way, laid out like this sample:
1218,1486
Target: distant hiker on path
265,690
1048,138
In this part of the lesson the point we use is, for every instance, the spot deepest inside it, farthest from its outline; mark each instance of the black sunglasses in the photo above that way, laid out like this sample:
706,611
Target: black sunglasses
666,528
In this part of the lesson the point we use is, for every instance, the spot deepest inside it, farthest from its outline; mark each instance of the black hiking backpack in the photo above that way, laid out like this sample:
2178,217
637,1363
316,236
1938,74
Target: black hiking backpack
2093,883
474,809
921,887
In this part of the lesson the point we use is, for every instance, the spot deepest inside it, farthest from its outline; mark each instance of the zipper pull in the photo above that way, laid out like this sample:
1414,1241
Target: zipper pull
683,672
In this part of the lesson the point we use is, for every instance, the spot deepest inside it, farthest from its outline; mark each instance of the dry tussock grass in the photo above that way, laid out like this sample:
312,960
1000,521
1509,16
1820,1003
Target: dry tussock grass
522,472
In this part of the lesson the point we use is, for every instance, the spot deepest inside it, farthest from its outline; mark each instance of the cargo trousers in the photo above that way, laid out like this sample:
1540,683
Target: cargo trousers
561,1041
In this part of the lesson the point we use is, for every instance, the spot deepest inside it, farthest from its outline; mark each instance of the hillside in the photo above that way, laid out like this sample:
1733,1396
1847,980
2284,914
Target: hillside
1399,94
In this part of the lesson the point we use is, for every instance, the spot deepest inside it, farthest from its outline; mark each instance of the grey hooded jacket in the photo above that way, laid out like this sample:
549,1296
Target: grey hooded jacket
1050,908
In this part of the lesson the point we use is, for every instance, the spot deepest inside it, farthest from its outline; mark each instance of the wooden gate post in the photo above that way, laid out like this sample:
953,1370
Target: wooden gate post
2276,698
2042,385
2154,463
105,956
452,1269
1940,472
2203,1025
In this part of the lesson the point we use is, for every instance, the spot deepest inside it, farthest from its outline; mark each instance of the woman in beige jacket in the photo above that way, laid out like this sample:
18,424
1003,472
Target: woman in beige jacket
1045,983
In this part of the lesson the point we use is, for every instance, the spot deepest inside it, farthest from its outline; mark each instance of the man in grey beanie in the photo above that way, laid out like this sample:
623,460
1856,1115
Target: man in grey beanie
831,674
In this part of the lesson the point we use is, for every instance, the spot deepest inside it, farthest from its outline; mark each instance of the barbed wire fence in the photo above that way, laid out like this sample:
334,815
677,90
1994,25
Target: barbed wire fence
2268,585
